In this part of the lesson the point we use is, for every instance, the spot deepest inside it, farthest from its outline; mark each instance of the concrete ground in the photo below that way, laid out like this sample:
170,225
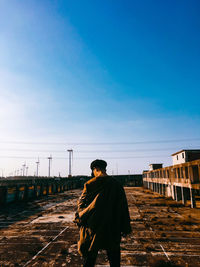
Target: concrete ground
41,233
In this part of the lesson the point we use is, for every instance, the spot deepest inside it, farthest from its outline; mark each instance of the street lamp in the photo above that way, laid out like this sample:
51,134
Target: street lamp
1,172
27,171
50,160
24,166
37,171
70,161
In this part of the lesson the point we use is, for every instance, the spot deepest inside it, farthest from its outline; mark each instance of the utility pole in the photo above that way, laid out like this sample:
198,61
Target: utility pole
24,166
70,162
27,171
128,179
37,170
50,159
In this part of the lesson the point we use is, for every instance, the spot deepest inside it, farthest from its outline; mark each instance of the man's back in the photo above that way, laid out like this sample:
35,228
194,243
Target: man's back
102,216
103,210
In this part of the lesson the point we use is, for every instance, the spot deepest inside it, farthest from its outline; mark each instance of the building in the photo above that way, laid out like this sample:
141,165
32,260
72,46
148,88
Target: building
155,166
181,181
185,155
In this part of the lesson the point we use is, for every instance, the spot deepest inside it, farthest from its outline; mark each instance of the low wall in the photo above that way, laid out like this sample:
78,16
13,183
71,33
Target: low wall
24,189
18,189
130,180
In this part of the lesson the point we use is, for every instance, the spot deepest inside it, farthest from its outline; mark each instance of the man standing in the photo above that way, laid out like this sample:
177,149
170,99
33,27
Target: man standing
102,216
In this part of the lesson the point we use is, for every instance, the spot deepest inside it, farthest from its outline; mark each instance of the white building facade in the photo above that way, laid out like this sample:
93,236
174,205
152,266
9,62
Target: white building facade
185,156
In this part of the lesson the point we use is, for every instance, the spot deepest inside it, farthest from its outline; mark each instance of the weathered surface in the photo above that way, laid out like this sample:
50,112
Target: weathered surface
42,233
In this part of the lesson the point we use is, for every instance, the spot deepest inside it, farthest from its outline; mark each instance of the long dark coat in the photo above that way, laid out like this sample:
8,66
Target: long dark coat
103,215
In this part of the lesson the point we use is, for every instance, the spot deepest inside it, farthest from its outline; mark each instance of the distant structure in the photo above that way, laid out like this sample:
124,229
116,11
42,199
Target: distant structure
185,155
181,181
155,166
26,170
23,168
50,161
70,161
37,169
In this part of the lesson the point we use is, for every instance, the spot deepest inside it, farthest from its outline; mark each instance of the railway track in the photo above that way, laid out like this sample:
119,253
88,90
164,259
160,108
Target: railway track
43,234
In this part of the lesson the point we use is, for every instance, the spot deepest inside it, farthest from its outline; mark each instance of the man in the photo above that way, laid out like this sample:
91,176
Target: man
102,216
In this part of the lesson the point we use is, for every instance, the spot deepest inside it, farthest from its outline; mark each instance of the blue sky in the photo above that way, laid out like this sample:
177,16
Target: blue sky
98,72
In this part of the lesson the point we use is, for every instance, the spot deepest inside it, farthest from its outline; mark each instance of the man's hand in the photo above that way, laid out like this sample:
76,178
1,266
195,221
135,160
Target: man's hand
77,219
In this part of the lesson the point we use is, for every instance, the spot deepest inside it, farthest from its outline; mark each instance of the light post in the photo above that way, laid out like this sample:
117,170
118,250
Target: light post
1,172
129,175
70,162
37,170
50,159
117,168
24,166
27,171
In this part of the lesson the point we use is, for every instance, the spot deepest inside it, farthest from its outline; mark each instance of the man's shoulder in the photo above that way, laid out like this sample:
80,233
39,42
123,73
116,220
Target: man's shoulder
103,180
98,181
91,184
91,181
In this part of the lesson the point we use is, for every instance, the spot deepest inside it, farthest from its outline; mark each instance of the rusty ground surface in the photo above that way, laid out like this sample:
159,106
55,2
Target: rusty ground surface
41,233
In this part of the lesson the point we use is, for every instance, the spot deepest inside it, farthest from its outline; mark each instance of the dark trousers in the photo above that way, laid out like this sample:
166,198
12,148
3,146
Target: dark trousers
113,257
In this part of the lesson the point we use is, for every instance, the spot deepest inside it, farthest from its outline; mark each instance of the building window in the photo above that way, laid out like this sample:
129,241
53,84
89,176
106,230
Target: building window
177,157
178,169
181,172
183,155
186,172
167,173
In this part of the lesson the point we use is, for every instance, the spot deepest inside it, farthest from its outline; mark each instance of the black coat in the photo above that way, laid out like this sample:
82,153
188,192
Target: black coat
103,214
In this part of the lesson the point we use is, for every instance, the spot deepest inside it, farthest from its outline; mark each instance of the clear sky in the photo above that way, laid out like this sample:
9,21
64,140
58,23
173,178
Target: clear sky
75,74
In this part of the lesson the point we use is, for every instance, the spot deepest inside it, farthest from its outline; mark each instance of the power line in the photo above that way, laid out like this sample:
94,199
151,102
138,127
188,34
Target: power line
65,158
94,151
101,143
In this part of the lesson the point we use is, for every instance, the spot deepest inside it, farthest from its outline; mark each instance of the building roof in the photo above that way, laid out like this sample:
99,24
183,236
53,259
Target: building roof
186,150
156,164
